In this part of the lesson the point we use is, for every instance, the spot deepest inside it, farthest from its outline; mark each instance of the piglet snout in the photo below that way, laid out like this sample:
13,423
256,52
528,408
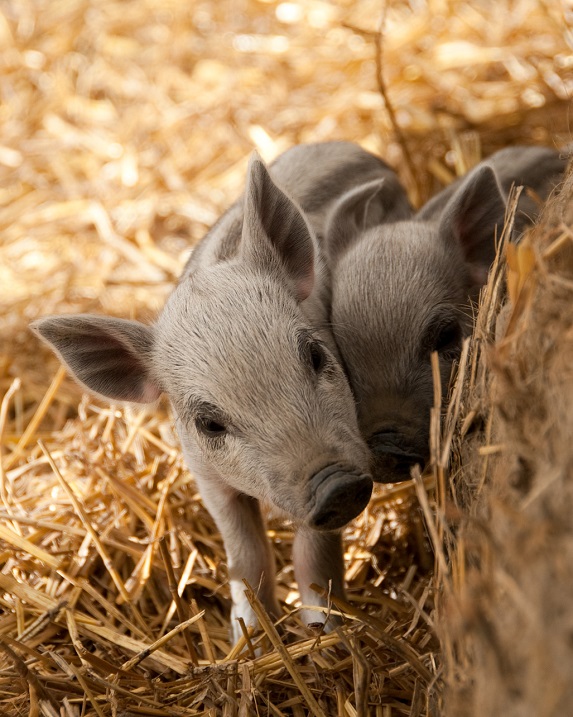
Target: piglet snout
340,495
394,456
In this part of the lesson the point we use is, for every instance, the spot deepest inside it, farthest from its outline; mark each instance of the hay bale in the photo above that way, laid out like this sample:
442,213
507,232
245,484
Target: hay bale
507,613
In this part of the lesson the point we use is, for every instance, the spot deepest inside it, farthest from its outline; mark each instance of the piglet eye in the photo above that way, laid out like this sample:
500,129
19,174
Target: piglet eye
317,357
210,427
448,338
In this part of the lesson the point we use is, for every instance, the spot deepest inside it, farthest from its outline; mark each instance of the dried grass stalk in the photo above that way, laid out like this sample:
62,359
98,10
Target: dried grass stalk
125,132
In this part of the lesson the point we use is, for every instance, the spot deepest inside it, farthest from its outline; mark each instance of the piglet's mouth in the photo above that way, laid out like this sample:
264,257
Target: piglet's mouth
340,495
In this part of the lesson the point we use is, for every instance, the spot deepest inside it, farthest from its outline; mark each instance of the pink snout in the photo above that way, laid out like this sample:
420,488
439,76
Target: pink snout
340,495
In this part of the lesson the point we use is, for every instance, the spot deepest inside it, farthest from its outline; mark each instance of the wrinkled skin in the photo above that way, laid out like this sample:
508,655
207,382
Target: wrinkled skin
243,350
402,290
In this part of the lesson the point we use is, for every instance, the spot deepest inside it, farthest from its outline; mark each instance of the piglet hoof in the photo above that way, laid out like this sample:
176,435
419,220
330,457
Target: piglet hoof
322,626
257,642
321,629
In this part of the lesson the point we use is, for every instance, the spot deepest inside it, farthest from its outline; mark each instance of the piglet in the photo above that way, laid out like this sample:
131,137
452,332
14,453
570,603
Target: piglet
401,290
244,352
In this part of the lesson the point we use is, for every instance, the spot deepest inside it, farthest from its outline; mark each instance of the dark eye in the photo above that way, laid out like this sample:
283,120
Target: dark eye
448,338
209,426
317,357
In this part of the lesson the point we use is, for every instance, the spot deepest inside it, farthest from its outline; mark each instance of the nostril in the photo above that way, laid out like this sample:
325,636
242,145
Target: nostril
326,518
396,446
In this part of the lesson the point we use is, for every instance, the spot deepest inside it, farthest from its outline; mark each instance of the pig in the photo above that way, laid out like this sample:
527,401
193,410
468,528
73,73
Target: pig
401,290
244,352
537,169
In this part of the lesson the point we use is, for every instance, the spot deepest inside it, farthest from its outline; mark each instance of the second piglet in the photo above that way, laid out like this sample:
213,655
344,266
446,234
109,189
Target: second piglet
402,290
244,353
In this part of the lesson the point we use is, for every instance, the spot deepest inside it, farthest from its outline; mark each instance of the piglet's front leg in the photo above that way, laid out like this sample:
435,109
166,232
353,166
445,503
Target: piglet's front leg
318,558
249,556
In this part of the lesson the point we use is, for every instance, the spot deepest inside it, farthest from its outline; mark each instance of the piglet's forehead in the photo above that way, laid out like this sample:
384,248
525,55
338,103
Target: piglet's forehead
229,293
241,326
253,386
238,356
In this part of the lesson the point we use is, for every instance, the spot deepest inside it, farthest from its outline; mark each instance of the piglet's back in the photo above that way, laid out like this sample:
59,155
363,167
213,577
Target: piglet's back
314,176
537,169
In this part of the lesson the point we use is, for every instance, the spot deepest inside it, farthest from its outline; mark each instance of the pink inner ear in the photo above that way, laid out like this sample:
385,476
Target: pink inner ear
304,286
478,274
149,393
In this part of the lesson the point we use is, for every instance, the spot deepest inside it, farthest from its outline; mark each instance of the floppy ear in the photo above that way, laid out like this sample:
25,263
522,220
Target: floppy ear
365,206
273,221
108,356
470,218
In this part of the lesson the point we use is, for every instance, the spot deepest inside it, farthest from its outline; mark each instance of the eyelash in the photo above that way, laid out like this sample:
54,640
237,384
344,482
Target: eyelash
210,427
317,356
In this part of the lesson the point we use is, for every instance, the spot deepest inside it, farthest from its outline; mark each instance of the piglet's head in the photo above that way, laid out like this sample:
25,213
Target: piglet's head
261,401
401,290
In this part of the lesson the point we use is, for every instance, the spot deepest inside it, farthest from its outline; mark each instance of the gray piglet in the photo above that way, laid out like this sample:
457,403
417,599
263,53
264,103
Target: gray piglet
243,350
401,290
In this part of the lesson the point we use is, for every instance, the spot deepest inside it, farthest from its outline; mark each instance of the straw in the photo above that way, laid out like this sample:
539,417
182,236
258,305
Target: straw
126,131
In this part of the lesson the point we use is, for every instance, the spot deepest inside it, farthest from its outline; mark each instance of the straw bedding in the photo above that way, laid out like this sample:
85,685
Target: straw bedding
507,631
126,128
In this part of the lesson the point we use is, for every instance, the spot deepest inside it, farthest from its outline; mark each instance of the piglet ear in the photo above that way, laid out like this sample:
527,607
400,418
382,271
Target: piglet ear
273,220
110,357
471,217
365,206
